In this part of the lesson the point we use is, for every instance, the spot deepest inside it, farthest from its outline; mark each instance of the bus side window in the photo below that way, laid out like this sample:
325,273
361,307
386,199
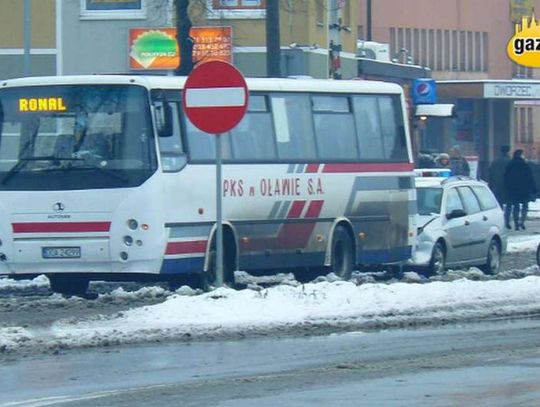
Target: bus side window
170,148
393,131
334,128
293,126
367,118
253,138
202,146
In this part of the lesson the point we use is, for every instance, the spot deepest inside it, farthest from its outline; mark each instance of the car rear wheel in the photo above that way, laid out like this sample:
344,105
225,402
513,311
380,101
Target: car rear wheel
493,258
437,263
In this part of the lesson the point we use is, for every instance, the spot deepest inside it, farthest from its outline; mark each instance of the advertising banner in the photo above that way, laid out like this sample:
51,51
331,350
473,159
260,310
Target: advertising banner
157,48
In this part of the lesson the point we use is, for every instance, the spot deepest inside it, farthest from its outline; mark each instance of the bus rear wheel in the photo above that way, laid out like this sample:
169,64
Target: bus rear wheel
342,254
69,284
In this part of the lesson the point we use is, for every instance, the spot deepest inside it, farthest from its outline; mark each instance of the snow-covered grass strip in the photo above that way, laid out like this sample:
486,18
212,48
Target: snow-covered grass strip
285,307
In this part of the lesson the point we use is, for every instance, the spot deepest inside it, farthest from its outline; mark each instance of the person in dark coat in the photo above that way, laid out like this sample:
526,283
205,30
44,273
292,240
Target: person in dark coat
458,163
496,179
520,188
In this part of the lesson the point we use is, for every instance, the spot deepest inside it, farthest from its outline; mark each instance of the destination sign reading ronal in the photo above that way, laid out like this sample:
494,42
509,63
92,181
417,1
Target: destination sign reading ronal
215,97
54,104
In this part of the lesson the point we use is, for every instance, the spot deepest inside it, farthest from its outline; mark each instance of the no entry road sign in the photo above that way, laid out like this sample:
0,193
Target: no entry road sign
215,97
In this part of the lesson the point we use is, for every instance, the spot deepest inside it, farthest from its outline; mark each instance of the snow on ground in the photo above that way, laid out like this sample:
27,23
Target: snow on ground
523,243
39,281
331,304
534,209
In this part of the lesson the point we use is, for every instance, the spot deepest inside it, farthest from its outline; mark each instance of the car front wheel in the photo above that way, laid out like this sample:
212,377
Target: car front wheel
438,259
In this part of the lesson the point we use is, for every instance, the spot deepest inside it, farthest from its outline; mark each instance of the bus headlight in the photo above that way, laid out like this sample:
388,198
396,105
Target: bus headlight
128,240
133,224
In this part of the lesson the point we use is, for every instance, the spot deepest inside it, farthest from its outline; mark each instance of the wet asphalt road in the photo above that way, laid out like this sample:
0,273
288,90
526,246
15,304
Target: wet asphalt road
495,363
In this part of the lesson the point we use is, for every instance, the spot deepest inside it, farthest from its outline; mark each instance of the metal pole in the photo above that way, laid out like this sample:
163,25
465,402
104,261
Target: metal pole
219,231
368,23
27,34
273,50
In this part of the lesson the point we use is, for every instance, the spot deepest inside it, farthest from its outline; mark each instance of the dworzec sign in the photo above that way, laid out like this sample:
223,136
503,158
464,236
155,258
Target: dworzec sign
512,90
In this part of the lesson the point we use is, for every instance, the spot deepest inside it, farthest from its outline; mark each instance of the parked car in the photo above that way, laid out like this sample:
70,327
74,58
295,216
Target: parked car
459,224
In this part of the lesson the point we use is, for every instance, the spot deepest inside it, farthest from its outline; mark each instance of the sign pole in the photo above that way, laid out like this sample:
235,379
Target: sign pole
219,216
215,99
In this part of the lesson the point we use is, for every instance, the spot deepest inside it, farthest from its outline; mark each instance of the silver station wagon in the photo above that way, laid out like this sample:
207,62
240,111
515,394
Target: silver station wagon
459,224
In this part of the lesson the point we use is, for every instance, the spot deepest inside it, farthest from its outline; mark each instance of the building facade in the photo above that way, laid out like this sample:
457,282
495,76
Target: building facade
318,38
41,41
464,45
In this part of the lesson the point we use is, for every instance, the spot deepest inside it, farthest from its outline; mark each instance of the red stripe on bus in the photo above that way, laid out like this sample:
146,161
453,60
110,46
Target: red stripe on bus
52,227
196,246
311,168
298,234
314,209
296,209
367,167
291,235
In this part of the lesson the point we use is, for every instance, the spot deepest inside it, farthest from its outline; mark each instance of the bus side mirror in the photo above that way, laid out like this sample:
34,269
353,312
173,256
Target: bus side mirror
164,119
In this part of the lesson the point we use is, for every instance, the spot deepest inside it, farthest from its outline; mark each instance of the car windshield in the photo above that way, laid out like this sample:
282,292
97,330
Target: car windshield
428,200
75,137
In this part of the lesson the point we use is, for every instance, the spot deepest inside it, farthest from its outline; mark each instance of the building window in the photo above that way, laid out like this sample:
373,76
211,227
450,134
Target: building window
524,124
238,4
442,50
236,8
113,9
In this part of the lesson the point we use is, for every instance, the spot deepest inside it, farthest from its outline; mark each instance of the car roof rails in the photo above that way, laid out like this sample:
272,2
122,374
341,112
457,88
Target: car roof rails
459,178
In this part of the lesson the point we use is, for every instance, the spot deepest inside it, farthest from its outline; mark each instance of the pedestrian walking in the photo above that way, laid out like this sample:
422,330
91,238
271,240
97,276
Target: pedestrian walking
496,180
458,163
520,189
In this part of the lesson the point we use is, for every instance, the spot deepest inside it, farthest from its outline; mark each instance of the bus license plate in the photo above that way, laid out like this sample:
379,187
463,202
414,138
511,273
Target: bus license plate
61,252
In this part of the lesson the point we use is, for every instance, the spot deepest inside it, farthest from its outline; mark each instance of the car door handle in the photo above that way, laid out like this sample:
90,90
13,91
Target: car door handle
484,217
467,223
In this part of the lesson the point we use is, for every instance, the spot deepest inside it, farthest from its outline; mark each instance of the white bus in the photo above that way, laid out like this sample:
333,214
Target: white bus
103,177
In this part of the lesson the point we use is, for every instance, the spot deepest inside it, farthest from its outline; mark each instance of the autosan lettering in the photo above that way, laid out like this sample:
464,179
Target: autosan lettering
524,46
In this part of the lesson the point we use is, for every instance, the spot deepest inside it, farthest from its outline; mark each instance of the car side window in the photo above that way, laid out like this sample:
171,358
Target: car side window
486,198
453,201
469,200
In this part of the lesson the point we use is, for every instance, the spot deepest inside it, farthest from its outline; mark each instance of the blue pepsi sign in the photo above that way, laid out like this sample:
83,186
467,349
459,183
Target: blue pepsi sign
424,92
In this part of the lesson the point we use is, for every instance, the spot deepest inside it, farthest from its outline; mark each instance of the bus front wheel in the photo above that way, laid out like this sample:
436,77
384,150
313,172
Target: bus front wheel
69,284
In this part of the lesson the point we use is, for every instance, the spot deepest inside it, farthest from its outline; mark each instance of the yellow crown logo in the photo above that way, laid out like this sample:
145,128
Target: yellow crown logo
524,47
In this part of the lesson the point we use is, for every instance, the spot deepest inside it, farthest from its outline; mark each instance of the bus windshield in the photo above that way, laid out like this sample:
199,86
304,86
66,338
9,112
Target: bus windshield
75,137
